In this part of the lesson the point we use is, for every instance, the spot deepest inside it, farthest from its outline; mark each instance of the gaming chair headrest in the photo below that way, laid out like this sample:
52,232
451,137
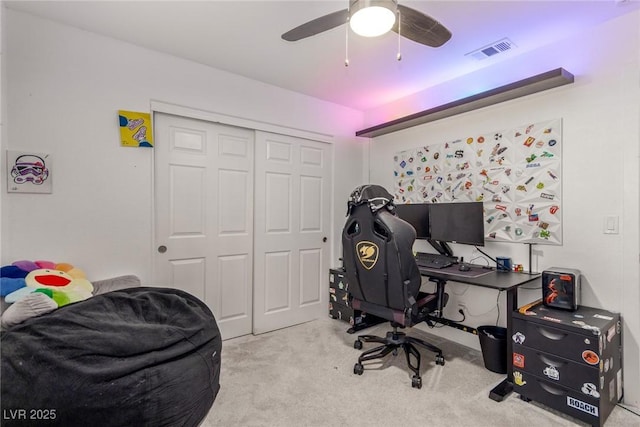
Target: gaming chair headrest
376,196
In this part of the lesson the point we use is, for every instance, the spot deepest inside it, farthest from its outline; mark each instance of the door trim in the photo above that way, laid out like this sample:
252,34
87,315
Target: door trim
225,119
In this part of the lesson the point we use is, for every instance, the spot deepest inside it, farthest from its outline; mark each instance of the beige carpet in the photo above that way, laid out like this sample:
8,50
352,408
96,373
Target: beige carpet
303,376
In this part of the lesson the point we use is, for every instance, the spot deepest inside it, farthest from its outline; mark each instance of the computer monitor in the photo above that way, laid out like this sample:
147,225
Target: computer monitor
461,222
416,214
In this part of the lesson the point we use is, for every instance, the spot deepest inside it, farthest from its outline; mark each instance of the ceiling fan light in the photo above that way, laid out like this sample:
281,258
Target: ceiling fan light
372,18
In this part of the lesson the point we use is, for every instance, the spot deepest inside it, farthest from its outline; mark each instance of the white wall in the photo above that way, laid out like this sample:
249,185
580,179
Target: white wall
63,89
2,108
601,135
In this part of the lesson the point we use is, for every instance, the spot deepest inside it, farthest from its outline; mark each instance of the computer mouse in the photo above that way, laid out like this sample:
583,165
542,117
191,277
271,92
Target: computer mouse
464,267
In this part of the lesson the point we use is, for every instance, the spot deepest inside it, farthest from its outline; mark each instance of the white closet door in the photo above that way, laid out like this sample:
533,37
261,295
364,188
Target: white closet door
292,220
204,216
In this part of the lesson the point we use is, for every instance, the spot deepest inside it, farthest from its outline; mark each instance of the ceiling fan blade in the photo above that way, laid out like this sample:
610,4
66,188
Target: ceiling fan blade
317,26
421,28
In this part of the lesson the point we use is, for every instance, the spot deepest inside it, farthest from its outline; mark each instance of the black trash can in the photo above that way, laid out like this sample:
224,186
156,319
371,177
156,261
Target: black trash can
493,342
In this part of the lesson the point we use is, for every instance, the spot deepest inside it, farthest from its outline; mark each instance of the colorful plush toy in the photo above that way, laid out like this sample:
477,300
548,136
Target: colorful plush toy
44,287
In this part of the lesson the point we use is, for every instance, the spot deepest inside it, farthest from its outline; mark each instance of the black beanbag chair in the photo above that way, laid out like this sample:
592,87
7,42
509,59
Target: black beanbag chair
134,357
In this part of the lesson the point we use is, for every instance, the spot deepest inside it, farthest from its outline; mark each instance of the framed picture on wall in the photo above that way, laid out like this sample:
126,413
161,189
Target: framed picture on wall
29,172
135,129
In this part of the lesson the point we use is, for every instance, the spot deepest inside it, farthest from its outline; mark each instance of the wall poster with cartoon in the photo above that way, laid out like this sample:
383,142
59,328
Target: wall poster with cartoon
135,129
28,172
515,172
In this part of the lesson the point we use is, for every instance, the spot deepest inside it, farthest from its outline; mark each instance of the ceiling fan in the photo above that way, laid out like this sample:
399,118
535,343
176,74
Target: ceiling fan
409,23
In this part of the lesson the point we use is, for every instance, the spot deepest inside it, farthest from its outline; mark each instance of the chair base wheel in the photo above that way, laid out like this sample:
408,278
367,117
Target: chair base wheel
440,360
416,382
358,369
357,344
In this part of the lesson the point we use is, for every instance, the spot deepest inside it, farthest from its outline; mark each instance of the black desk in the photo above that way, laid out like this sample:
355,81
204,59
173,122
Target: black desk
502,281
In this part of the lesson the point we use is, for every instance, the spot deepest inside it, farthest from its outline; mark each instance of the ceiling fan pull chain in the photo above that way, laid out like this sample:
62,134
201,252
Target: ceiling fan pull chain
346,47
399,55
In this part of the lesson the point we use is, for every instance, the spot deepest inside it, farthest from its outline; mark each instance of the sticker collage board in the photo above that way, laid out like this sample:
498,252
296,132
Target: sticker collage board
515,172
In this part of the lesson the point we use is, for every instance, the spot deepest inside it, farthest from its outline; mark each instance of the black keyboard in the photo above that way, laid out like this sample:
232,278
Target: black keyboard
432,260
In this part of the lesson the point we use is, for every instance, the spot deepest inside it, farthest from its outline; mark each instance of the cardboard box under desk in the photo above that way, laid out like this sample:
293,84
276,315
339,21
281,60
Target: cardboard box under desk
348,314
340,305
339,296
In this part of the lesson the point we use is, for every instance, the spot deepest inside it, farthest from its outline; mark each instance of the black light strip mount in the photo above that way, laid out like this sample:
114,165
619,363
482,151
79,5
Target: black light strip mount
528,86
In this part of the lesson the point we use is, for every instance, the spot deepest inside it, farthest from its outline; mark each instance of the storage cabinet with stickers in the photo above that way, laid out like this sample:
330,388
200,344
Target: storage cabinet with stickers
340,306
569,361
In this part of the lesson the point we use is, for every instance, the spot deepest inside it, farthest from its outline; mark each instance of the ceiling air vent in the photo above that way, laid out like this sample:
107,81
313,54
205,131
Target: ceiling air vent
492,49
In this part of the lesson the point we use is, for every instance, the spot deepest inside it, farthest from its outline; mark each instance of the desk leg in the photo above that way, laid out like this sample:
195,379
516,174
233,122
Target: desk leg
504,389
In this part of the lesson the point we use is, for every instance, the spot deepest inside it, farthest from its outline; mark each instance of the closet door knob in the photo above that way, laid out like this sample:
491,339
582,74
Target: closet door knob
162,249
324,239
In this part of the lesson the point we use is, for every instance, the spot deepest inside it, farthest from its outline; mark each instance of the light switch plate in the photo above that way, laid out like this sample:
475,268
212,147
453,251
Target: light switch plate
611,224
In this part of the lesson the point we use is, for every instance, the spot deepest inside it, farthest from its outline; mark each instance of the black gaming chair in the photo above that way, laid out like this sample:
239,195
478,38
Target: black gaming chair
383,277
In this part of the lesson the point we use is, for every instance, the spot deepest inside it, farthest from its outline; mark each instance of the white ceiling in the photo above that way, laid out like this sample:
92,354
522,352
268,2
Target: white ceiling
243,37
